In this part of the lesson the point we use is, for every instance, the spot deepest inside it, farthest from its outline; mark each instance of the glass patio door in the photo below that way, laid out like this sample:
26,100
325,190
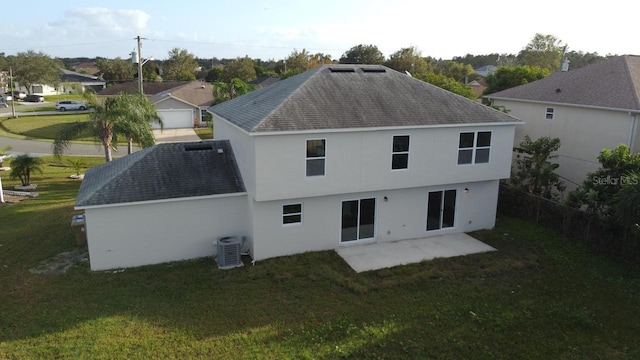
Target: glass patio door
358,219
441,209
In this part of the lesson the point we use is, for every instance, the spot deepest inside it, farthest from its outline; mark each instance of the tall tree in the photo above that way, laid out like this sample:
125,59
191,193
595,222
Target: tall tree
544,51
578,59
115,70
447,83
319,59
510,76
226,91
241,68
362,54
534,171
408,59
117,116
298,61
454,69
32,67
181,65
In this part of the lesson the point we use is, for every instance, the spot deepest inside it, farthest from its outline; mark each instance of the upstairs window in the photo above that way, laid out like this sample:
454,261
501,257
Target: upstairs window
549,114
316,157
400,152
474,147
291,214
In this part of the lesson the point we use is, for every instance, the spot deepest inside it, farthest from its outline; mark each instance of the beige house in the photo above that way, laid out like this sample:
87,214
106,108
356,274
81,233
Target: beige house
589,109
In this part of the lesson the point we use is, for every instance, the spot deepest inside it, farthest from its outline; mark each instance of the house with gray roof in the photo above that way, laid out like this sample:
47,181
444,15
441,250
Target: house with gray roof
590,108
180,104
340,155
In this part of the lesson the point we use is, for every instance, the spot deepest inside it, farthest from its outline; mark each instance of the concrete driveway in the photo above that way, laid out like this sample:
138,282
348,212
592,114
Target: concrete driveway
175,135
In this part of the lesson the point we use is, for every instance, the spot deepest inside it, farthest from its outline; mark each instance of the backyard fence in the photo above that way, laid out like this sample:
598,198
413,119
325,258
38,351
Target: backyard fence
604,235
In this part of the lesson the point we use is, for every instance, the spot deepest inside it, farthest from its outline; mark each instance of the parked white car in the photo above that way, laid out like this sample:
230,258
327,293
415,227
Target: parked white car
65,105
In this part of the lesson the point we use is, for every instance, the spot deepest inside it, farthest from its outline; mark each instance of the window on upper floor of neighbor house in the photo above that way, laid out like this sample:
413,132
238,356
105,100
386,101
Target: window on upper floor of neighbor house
549,114
400,152
316,157
474,147
291,214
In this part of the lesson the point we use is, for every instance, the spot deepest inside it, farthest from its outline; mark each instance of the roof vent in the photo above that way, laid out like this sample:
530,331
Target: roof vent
342,70
220,151
373,70
197,146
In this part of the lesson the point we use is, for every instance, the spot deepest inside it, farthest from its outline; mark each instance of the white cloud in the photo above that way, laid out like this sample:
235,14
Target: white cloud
102,21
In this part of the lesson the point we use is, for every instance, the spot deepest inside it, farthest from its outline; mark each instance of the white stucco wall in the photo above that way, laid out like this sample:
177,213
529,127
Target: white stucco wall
151,233
361,161
243,149
583,133
402,216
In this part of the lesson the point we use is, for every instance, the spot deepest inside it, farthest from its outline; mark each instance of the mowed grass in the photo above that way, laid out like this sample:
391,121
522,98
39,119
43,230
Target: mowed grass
45,126
538,297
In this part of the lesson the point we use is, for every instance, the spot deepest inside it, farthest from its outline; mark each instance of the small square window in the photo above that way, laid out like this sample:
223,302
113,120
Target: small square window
291,214
474,147
466,140
549,114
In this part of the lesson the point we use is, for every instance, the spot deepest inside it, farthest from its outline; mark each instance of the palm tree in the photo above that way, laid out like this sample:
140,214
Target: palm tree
23,165
123,115
226,91
135,117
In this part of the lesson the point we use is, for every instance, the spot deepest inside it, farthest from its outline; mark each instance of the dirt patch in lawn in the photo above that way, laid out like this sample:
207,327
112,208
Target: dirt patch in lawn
61,263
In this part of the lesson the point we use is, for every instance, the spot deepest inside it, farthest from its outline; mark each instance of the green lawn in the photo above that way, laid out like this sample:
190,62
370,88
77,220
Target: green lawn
204,133
538,297
37,109
42,127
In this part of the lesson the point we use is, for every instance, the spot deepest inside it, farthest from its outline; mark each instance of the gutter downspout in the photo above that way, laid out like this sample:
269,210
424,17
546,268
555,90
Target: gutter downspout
632,130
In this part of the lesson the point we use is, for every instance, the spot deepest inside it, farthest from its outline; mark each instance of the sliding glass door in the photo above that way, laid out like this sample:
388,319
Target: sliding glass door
358,219
441,209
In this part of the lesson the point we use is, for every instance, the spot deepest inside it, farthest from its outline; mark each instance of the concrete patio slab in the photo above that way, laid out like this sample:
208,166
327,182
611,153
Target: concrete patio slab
375,256
175,135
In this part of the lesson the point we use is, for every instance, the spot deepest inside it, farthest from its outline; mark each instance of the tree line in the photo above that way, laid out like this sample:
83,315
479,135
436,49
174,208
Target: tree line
541,56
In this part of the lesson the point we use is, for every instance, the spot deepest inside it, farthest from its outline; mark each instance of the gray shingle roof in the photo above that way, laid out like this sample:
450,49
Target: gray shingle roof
164,171
374,97
613,83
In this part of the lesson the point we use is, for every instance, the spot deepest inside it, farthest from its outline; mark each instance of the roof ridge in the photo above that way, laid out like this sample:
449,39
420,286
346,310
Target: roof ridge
634,87
312,73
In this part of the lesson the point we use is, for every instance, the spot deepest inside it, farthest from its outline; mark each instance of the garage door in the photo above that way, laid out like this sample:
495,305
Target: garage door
175,118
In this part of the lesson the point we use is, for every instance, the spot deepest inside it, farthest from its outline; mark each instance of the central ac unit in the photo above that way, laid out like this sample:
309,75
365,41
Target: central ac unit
228,252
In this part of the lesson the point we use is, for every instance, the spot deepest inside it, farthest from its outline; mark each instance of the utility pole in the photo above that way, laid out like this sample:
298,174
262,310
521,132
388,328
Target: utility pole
13,95
140,66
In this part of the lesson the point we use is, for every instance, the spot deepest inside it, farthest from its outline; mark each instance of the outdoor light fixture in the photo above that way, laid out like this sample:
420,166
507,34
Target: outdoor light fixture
466,190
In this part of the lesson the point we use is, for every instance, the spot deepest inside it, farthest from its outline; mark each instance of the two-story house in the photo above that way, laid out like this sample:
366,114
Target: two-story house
590,108
337,156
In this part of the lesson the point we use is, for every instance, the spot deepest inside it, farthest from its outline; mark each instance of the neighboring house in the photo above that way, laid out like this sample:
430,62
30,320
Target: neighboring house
87,67
70,82
590,108
478,86
74,82
180,104
184,106
486,70
339,155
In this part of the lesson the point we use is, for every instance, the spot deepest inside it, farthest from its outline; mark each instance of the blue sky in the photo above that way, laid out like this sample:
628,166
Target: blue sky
273,29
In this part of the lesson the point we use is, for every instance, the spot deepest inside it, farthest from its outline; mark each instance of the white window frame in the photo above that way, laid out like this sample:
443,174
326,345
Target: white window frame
550,112
393,152
474,148
287,215
307,158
